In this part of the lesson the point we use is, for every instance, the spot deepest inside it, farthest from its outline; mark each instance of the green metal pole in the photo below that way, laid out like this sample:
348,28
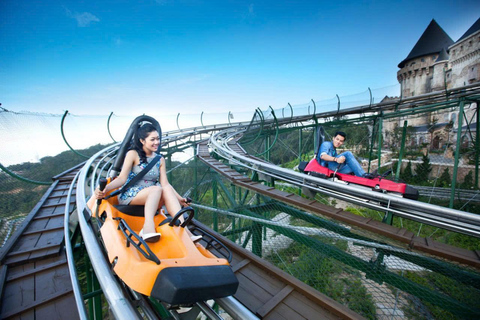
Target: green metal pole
402,147
267,147
195,177
108,126
477,146
97,300
300,153
300,145
371,96
65,139
214,195
88,274
379,152
457,152
257,239
372,143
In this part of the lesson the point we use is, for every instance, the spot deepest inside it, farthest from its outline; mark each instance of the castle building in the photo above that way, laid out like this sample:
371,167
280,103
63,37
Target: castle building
437,63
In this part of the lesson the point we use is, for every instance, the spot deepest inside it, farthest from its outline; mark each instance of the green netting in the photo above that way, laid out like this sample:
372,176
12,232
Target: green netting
430,156
374,276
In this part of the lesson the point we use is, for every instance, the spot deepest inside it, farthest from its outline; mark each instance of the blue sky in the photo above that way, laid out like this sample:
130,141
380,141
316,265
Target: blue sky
189,56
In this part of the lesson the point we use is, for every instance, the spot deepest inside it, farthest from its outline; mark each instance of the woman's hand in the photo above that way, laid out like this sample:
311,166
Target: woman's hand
184,201
99,194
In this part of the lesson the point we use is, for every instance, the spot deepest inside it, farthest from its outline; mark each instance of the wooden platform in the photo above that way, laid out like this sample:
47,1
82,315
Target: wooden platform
34,277
427,245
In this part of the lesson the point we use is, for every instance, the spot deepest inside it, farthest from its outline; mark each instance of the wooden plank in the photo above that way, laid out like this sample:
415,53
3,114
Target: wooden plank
237,266
30,250
310,309
42,230
59,309
16,295
62,195
57,203
3,277
50,216
269,283
286,313
48,253
52,283
32,257
252,295
274,301
36,270
15,237
34,303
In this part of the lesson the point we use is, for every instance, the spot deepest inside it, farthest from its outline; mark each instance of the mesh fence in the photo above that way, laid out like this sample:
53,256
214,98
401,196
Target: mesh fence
39,146
374,276
434,144
371,275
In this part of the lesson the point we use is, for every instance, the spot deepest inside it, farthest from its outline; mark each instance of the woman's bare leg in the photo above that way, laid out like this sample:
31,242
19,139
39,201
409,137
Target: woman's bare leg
150,197
171,201
173,206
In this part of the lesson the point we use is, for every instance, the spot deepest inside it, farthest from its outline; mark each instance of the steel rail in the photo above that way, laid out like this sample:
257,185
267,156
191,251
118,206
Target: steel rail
220,135
77,292
119,304
447,218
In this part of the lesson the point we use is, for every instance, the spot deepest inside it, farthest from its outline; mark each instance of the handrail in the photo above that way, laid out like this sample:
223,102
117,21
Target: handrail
16,176
77,292
108,126
65,139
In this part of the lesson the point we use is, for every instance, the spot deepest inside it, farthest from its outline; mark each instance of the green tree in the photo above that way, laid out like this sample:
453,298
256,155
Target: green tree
423,170
468,181
406,174
445,180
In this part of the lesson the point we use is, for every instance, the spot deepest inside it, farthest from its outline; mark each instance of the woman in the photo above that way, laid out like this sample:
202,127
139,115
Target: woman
153,190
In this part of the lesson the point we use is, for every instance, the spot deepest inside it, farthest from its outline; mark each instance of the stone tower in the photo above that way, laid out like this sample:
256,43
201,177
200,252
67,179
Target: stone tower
465,58
422,71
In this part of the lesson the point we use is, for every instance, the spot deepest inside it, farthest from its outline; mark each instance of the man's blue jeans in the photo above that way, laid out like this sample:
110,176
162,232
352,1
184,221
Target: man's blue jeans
350,165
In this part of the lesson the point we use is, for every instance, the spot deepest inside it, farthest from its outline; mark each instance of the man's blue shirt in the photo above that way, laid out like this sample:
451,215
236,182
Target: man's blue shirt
328,148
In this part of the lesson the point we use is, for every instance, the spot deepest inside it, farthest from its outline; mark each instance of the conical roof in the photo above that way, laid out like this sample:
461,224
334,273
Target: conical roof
443,56
474,28
433,40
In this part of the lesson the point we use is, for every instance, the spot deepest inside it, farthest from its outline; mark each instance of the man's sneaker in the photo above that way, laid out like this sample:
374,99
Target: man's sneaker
386,173
369,176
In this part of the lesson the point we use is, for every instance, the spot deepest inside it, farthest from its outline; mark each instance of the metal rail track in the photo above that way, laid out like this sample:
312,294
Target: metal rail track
446,218
281,296
124,308
445,193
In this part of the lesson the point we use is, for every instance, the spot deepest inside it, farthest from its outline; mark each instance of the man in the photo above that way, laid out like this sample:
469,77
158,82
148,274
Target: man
328,157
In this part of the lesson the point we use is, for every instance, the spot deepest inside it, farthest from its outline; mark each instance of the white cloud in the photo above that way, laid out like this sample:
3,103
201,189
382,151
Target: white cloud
83,19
